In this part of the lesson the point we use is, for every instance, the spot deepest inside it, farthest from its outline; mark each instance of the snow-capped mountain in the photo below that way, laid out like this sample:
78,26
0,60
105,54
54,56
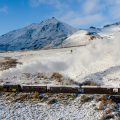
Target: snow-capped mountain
85,36
47,34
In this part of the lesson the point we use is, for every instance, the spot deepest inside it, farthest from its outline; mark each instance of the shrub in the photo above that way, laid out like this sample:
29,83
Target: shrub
21,98
109,116
57,76
90,83
103,102
101,105
108,111
9,63
117,116
53,101
98,98
92,37
35,95
85,98
104,98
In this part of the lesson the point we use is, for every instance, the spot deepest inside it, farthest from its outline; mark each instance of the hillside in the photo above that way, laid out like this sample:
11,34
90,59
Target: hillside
46,34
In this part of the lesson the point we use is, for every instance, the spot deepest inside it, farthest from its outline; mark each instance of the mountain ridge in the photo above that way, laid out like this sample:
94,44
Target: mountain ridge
48,33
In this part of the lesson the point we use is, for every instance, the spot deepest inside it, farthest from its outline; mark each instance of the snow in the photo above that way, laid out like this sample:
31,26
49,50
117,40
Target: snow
78,38
42,111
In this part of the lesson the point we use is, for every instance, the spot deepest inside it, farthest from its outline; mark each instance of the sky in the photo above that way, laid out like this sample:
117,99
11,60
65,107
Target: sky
16,14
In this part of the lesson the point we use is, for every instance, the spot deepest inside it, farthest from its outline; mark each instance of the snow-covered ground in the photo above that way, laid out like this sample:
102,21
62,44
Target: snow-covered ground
35,110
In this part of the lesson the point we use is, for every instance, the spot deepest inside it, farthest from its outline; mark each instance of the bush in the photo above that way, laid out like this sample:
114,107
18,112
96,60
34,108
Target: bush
85,98
90,83
57,76
104,98
35,95
117,116
9,63
101,105
53,101
92,37
108,111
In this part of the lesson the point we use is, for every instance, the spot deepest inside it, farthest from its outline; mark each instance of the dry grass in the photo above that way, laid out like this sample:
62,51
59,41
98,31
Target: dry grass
20,98
107,117
117,116
101,105
35,95
90,83
57,76
108,111
106,103
8,63
52,101
47,98
85,98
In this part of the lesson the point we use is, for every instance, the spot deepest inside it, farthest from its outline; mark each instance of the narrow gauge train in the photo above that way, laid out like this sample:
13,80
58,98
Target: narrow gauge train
60,89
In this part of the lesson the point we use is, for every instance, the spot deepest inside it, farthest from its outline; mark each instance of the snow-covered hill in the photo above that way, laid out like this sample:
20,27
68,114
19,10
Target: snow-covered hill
81,38
47,34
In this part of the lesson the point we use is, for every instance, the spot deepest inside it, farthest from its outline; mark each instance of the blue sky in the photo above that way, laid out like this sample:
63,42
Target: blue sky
15,14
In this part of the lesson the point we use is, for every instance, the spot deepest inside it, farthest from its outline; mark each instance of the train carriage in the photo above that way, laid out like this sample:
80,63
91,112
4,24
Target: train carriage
34,88
11,88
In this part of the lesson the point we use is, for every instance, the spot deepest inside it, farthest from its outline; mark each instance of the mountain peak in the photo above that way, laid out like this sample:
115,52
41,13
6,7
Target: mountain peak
50,20
48,33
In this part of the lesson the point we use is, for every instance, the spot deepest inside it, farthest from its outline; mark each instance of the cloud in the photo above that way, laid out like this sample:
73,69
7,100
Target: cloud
91,6
55,3
114,8
4,9
82,12
76,19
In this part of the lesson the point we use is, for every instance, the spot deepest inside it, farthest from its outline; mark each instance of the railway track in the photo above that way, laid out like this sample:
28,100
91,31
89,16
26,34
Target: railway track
60,89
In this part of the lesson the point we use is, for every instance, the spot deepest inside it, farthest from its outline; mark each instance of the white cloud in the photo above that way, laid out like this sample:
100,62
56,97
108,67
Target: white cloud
86,12
114,8
55,3
91,6
4,9
76,19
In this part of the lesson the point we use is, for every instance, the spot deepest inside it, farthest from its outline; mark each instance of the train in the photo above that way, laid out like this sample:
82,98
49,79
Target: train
60,89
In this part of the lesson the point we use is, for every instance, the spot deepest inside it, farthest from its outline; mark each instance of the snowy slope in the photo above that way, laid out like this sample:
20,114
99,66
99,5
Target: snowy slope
78,38
82,37
48,33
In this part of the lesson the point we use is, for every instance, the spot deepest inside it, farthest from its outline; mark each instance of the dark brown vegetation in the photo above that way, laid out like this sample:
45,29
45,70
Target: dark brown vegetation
92,37
35,96
86,98
106,102
8,63
90,83
57,76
